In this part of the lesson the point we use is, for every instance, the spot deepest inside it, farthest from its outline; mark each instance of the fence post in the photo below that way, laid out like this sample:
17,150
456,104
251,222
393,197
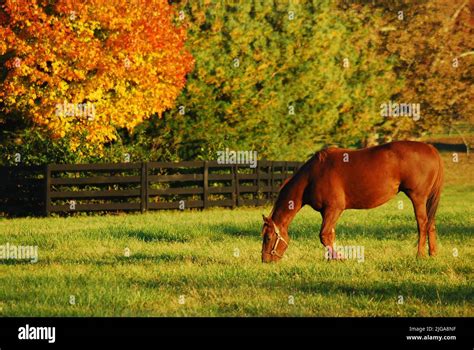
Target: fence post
205,184
144,187
257,169
47,189
234,197
237,186
272,181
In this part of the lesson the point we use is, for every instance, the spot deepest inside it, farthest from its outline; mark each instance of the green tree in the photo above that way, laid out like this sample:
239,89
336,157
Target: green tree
280,78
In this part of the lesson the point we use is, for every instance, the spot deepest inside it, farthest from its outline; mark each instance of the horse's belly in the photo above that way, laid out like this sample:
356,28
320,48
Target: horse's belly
361,196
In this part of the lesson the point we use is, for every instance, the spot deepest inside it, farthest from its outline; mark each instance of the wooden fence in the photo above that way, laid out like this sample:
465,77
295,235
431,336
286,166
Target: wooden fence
139,186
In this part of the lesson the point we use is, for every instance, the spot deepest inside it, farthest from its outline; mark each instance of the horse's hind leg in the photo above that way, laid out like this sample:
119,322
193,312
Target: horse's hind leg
327,234
419,204
432,240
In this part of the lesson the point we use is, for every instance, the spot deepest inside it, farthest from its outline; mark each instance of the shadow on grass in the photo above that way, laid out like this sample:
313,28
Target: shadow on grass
390,290
141,258
429,293
147,235
11,262
236,230
169,258
407,230
346,230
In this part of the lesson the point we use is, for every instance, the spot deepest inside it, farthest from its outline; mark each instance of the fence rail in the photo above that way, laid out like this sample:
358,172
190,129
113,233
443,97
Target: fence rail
141,186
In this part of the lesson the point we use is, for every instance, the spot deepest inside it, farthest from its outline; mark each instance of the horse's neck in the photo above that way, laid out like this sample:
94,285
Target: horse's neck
289,202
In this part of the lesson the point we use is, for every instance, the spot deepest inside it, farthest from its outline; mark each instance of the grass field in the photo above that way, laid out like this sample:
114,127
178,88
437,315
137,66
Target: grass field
207,263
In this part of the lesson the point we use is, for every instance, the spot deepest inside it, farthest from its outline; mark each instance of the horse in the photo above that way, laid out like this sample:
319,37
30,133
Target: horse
336,179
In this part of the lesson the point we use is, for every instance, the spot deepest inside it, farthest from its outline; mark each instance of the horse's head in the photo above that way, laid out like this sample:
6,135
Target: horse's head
275,241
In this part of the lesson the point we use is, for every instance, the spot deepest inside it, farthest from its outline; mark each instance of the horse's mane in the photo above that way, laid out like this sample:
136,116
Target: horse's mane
283,184
321,155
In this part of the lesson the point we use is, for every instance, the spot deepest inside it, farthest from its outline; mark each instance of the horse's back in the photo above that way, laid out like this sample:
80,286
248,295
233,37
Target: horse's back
405,155
369,177
407,149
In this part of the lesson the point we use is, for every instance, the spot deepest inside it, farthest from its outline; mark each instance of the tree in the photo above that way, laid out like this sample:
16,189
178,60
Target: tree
83,70
281,78
433,42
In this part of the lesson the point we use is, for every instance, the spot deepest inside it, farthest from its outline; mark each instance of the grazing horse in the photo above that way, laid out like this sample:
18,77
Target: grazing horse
335,179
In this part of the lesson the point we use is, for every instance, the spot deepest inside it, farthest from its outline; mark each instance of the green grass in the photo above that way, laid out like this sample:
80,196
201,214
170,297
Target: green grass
192,254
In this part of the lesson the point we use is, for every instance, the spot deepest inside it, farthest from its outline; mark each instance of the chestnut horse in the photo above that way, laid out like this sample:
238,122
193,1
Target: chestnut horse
335,179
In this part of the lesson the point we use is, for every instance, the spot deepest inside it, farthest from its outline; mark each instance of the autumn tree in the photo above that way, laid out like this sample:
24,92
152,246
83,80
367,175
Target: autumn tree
433,44
285,78
82,70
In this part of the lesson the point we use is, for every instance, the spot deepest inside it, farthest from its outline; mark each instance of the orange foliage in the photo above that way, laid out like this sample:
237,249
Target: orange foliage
125,58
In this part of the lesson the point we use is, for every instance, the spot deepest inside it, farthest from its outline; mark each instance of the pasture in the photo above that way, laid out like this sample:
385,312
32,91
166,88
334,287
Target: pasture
207,263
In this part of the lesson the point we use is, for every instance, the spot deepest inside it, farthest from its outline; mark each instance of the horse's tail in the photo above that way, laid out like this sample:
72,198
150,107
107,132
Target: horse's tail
435,194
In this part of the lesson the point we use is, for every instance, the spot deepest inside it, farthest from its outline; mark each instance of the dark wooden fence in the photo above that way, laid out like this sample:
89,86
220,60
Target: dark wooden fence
22,190
139,186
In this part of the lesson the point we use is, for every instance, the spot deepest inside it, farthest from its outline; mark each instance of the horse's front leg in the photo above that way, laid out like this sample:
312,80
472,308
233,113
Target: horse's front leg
327,234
